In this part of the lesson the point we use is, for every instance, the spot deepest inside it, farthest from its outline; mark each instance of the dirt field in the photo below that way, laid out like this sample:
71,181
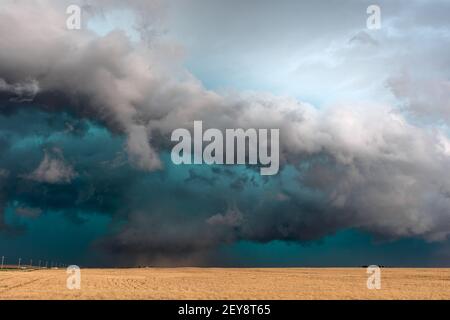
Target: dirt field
218,283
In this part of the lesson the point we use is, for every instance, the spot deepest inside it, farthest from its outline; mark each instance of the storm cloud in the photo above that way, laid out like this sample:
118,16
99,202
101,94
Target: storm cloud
103,108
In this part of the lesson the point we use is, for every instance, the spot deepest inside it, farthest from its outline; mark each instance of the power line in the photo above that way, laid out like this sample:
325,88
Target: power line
39,265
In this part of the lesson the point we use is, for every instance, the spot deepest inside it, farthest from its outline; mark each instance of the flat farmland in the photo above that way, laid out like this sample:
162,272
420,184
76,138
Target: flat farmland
226,283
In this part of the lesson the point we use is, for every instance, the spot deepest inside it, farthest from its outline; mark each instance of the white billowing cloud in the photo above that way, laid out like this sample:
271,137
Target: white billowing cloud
53,169
20,92
141,153
425,98
232,218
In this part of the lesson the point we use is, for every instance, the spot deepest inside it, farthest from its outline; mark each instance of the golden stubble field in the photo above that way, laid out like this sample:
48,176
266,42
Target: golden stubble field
227,283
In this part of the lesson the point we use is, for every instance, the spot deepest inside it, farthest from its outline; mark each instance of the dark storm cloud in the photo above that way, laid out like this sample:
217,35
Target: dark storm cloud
352,165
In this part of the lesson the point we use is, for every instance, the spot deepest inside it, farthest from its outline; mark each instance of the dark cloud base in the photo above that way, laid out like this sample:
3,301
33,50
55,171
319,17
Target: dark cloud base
182,215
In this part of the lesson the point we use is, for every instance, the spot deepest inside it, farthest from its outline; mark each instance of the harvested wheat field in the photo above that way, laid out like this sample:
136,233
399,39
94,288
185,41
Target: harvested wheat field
224,283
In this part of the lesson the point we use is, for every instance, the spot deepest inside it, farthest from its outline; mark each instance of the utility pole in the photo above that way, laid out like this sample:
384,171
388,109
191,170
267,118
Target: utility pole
39,264
46,264
19,262
3,259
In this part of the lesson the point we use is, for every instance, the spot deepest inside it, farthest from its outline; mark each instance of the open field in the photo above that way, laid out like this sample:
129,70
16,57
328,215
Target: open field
224,283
